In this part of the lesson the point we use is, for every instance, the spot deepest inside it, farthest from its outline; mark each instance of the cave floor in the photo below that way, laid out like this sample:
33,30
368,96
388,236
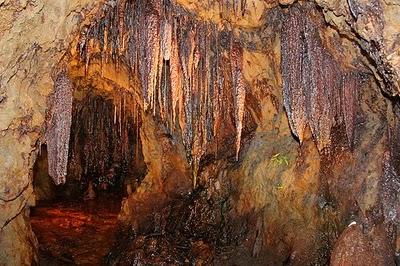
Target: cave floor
75,232
84,233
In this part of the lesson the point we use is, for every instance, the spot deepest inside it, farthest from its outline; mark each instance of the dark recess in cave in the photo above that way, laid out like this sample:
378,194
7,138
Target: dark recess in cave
76,222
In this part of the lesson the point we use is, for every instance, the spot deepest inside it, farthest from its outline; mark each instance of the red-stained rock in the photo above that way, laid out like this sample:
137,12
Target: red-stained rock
354,247
273,177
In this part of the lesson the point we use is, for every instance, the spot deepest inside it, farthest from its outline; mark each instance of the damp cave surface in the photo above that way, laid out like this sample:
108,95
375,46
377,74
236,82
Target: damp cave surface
177,132
75,232
73,227
77,223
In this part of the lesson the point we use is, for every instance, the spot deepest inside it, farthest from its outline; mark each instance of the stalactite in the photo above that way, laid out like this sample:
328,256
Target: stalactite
239,91
97,143
208,87
181,63
152,58
59,127
186,51
115,114
216,86
243,6
313,80
292,51
176,78
120,116
166,40
233,6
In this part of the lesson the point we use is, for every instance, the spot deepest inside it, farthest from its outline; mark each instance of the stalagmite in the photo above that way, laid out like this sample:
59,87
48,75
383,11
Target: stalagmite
59,127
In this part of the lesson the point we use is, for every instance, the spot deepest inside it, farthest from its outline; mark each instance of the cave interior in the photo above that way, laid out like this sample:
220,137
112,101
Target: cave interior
216,133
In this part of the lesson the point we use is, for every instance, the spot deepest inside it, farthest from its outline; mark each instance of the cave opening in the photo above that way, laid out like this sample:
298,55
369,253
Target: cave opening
76,222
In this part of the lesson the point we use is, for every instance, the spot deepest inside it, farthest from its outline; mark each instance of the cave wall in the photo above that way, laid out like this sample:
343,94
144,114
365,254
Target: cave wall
43,185
374,26
168,175
305,195
33,35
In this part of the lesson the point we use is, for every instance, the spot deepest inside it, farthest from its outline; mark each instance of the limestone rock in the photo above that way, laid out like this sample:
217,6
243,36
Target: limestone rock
375,26
303,194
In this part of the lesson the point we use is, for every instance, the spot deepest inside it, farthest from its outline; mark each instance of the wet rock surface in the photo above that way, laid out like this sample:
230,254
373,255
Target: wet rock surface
318,92
237,67
374,26
75,232
192,230
28,55
356,247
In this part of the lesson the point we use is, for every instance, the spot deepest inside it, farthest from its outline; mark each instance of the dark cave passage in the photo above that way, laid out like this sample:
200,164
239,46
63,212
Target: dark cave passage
105,153
76,223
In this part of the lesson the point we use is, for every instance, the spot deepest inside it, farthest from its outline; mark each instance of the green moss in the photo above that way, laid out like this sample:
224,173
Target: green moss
280,159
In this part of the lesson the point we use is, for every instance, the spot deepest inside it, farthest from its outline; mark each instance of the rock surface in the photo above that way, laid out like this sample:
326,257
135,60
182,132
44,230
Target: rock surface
374,26
33,36
292,194
354,247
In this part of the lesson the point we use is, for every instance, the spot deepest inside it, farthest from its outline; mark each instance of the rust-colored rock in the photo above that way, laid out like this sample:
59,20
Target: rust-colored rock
291,198
375,26
354,247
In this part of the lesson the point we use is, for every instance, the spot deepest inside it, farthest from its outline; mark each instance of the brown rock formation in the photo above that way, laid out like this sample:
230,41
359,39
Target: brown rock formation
223,89
357,248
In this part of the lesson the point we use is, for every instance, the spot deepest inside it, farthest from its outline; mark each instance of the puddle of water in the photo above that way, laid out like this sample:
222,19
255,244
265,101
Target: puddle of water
76,232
